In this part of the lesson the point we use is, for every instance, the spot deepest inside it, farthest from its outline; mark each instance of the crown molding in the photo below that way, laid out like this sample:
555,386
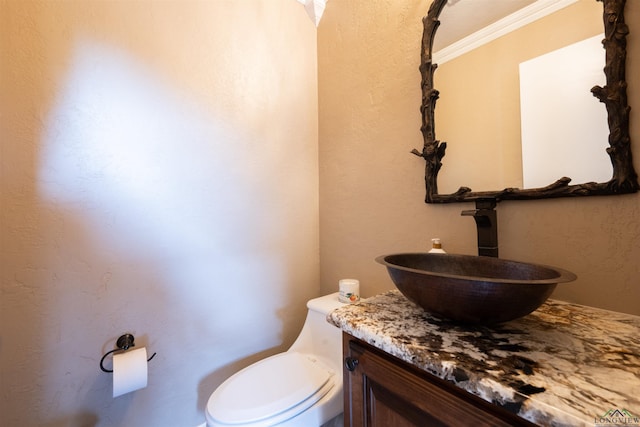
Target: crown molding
509,23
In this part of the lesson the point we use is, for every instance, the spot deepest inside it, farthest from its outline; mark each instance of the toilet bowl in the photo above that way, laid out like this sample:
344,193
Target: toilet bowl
301,387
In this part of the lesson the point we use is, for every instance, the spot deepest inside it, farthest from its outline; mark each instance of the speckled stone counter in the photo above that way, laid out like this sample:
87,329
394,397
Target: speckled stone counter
564,364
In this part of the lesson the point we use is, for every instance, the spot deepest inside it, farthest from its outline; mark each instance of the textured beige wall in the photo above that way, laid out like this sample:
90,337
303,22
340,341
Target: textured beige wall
371,188
158,176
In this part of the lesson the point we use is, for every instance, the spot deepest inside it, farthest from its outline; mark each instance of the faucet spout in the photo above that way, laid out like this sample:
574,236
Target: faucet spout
487,225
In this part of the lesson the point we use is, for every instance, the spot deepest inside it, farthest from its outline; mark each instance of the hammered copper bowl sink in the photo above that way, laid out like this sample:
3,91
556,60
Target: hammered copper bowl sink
473,289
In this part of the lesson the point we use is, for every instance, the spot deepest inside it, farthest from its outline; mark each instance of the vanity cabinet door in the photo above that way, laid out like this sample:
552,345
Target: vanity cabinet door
383,391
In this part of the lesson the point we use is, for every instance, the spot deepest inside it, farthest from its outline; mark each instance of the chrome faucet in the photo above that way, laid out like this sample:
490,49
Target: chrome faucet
487,224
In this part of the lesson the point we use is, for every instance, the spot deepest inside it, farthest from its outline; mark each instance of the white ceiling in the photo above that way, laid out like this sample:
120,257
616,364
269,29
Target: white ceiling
459,18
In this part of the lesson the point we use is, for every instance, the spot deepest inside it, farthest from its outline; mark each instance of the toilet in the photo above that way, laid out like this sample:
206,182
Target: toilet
301,387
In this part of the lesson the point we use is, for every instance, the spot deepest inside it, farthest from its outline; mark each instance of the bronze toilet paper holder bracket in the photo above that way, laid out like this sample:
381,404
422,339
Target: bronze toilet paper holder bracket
123,343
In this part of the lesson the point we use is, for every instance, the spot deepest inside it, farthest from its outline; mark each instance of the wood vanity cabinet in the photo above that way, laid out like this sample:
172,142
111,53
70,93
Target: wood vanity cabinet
381,390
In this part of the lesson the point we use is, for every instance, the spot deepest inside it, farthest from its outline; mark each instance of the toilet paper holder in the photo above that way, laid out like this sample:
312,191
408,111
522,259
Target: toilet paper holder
123,343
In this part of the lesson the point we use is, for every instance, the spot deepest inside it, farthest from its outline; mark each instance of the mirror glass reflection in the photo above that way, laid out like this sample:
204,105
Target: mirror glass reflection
479,110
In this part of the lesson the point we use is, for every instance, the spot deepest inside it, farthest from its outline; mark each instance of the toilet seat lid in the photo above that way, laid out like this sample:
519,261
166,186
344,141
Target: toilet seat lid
285,382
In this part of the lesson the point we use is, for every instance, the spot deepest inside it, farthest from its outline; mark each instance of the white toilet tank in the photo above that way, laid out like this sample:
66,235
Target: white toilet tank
301,387
318,336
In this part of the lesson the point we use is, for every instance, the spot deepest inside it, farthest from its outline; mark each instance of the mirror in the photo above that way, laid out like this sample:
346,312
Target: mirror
612,94
526,140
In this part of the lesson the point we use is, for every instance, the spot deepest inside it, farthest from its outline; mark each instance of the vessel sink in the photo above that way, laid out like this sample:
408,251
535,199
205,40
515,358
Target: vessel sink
473,289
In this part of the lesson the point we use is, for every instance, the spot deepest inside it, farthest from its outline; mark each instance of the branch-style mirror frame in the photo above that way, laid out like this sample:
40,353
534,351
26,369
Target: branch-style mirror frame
613,95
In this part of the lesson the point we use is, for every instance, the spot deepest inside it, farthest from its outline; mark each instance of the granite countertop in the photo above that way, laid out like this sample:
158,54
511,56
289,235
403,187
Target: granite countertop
562,365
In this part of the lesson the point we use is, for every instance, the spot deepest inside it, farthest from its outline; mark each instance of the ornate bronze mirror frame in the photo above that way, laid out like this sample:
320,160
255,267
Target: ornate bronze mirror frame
613,95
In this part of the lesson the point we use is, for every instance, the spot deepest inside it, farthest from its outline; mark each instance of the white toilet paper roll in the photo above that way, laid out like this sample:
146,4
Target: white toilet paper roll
129,371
